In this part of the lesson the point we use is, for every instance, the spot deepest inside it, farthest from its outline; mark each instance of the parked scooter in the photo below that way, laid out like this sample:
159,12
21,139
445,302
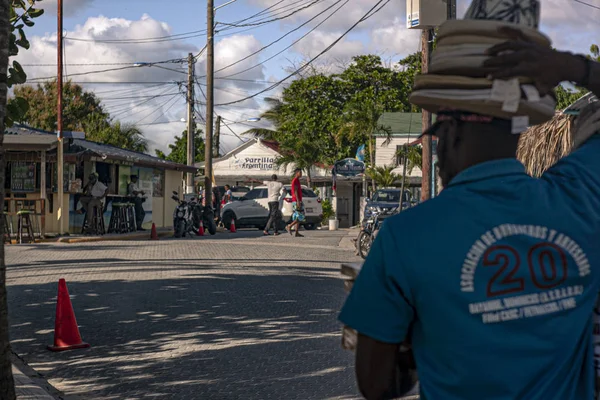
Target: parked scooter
370,229
188,214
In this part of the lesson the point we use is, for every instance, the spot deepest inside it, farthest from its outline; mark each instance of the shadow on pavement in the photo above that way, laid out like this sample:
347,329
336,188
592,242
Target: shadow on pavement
206,336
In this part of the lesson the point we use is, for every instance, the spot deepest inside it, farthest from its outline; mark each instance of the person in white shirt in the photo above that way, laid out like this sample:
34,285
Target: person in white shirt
274,197
93,194
133,190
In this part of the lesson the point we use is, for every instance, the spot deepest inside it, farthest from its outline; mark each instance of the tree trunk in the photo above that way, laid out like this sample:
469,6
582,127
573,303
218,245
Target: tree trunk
7,385
308,178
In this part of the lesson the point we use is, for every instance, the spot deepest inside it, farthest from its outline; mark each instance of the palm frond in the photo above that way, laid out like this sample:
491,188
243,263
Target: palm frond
541,146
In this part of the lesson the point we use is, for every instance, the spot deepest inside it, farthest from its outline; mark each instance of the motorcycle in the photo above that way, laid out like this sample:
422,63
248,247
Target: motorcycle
371,227
188,214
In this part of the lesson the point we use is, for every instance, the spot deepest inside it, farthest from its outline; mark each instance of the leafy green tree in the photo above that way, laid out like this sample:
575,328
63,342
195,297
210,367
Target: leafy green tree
178,150
564,97
21,14
124,136
79,106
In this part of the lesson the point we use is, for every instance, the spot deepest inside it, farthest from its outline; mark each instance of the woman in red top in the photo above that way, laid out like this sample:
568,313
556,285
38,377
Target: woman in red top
298,215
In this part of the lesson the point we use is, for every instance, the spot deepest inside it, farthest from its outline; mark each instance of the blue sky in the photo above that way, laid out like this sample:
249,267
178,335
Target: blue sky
571,24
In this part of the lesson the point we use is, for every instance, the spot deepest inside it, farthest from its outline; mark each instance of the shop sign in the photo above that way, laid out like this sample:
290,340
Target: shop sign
256,163
349,167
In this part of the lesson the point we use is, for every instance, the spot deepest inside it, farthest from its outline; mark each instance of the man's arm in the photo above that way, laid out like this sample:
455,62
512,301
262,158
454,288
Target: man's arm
380,308
375,366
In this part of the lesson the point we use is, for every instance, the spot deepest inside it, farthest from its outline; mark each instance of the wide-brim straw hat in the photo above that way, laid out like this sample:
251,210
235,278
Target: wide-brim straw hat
457,78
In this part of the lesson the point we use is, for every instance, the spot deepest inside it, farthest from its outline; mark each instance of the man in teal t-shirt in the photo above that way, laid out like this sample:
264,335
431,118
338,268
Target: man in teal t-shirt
493,281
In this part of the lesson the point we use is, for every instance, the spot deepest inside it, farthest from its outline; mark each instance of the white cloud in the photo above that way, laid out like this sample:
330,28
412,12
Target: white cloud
396,39
319,40
135,103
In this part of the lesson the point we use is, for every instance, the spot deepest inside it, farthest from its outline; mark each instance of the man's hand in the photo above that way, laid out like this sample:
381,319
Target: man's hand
519,57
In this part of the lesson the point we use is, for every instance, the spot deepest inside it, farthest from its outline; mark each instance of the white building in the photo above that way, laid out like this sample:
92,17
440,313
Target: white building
254,161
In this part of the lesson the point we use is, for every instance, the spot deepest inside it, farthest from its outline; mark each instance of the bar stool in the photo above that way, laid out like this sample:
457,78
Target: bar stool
25,226
8,228
117,218
131,220
97,227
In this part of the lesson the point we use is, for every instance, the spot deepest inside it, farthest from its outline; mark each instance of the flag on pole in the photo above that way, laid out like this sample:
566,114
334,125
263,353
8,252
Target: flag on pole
334,183
360,153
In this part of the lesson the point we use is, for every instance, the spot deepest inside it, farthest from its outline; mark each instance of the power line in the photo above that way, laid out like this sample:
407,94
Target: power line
272,19
587,4
92,72
282,37
369,14
142,103
293,43
160,108
168,38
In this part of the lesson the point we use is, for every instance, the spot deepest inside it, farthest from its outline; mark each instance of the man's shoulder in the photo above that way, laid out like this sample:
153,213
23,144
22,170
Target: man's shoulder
421,218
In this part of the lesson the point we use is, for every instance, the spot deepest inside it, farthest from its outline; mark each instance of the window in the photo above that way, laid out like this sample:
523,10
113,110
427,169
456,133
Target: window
308,193
253,194
158,177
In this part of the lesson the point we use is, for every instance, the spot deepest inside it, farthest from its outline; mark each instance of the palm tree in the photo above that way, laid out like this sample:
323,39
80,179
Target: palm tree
274,116
305,157
413,155
383,176
7,386
361,123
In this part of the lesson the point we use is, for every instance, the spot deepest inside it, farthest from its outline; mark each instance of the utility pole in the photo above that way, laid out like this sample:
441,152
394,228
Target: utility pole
190,124
210,68
217,137
59,120
426,44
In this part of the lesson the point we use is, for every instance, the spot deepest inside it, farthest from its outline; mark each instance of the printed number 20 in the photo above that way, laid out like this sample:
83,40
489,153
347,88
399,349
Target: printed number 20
547,267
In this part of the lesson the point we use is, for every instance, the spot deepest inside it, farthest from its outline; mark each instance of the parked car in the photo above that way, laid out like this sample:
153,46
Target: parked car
252,209
385,200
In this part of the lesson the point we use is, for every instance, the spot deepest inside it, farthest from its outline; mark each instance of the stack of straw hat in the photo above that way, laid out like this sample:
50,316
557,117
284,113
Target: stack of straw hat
457,79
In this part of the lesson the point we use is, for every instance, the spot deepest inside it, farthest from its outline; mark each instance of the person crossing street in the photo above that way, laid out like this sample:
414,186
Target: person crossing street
274,192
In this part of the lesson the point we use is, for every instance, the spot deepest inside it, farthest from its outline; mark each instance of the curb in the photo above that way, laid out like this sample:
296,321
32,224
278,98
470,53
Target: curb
137,236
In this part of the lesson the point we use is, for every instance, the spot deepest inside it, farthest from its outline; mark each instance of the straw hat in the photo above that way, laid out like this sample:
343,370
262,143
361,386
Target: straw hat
457,79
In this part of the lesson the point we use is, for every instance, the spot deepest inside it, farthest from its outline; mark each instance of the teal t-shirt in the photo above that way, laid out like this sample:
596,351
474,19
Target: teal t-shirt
497,276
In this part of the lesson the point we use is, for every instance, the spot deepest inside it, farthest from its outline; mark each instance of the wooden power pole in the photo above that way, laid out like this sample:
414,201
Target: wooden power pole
190,124
217,145
426,44
59,121
210,68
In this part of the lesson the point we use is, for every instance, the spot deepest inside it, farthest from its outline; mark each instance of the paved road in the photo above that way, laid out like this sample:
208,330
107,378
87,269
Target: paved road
229,317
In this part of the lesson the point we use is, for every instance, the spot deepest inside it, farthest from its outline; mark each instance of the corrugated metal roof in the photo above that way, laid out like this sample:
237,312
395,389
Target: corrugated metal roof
104,150
24,135
401,123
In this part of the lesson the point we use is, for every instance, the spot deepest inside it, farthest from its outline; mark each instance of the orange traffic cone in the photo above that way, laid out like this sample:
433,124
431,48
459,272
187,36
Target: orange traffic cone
232,227
201,229
153,235
66,331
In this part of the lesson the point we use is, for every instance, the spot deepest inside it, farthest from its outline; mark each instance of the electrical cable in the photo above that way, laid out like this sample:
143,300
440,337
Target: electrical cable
293,43
369,14
587,4
280,38
297,10
160,107
158,39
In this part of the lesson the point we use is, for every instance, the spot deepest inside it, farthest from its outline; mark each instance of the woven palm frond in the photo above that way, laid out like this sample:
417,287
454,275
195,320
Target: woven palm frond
541,146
